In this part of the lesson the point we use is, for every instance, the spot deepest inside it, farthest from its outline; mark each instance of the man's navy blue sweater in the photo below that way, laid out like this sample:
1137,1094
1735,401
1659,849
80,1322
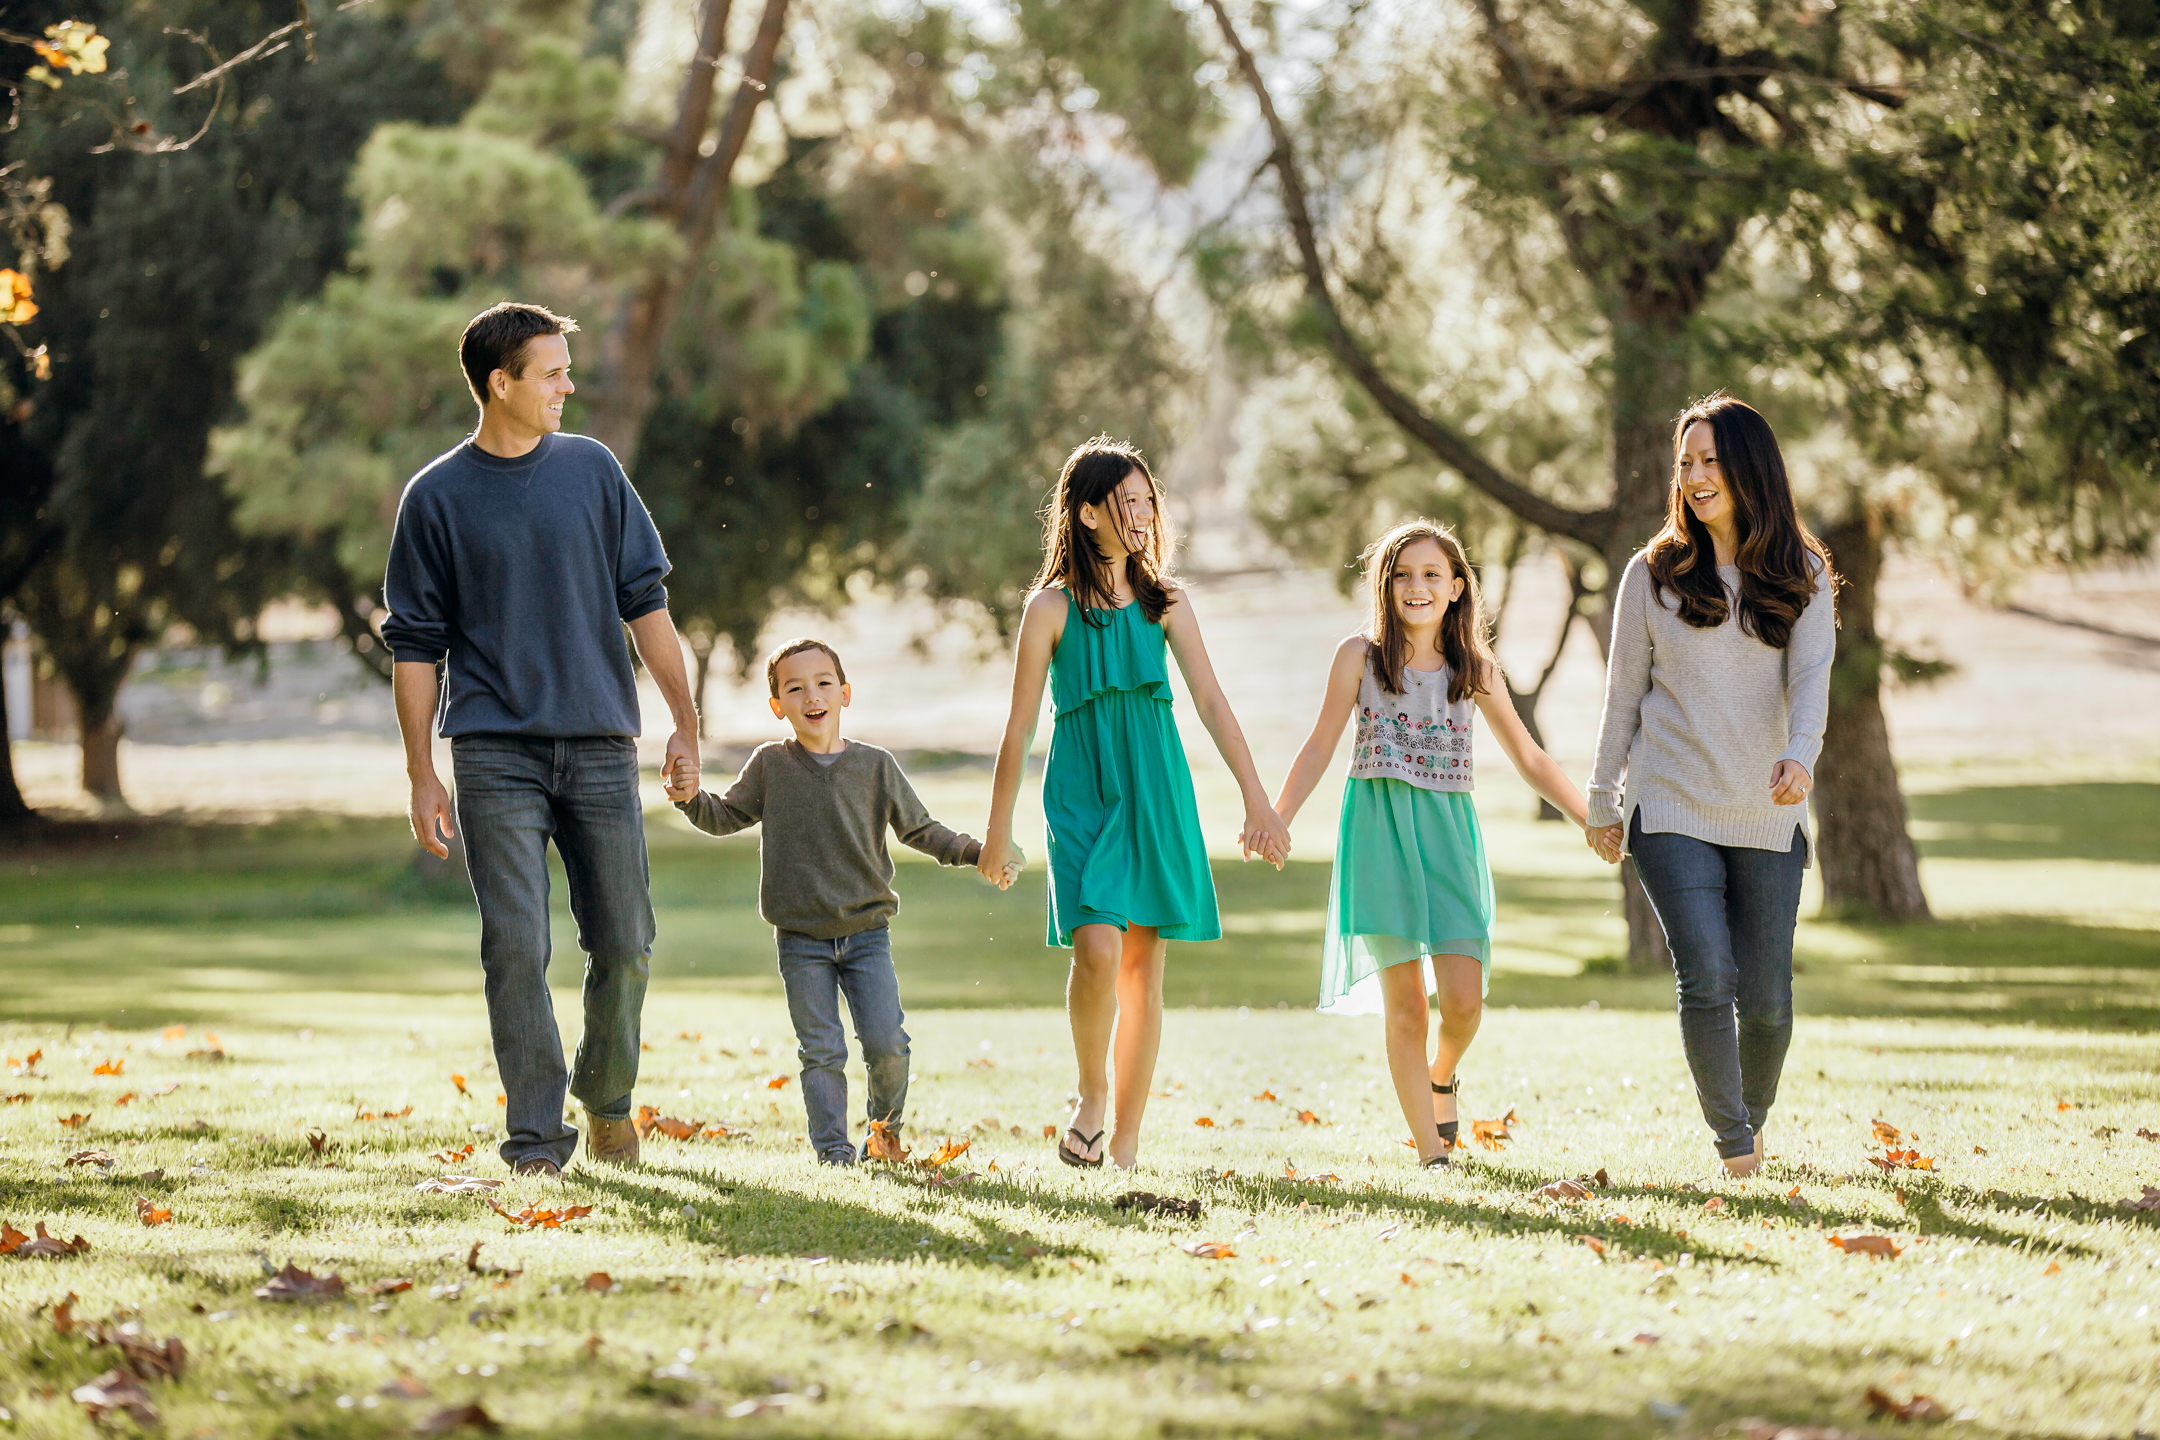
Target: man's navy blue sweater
523,572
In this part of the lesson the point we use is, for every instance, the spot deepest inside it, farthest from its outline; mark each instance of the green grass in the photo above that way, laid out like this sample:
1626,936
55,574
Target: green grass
1383,1301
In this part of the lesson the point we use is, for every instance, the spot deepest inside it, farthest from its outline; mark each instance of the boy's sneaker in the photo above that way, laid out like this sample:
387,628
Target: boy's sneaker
615,1141
845,1155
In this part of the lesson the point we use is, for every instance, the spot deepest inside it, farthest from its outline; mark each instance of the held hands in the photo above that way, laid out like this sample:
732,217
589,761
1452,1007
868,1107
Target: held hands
1000,863
1790,782
679,775
1265,835
1605,840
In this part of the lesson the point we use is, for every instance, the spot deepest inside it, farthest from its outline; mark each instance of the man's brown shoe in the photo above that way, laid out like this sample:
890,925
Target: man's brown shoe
541,1166
615,1141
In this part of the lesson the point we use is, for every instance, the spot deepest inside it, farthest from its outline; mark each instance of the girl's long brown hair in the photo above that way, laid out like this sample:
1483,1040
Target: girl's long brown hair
1776,579
1464,643
1070,558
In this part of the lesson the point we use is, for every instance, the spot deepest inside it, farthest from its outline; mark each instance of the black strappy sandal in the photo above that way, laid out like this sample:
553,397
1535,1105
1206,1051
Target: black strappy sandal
1453,1128
1078,1158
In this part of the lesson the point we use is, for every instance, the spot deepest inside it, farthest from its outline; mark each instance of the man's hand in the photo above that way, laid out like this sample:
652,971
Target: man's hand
680,771
430,810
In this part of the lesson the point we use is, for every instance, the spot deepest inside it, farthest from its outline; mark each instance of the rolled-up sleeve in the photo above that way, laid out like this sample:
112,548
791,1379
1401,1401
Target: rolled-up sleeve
641,563
1809,654
419,587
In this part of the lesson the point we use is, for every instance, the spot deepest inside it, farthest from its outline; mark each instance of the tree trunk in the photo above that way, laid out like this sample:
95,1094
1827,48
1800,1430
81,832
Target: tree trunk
1869,868
101,761
701,648
13,808
1650,387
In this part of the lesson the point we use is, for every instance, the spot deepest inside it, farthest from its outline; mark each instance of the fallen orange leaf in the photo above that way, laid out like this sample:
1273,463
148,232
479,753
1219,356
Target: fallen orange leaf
63,1313
778,1082
1209,1250
1920,1407
1306,1117
26,1064
71,1122
946,1153
293,1283
50,1246
11,1239
883,1144
1887,1134
390,1287
1901,1160
110,1067
122,1100
383,1114
2054,1268
99,1158
452,1157
1873,1245
459,1081
1596,1245
1563,1190
1265,1095
149,1214
1205,1123
1714,1204
1491,1134
174,1032
599,1280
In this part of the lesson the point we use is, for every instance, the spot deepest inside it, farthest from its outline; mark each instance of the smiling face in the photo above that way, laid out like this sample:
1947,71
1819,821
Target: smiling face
1422,585
1123,524
1701,479
532,400
811,697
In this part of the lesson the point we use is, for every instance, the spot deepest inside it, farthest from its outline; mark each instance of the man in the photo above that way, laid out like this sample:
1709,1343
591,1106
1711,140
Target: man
518,558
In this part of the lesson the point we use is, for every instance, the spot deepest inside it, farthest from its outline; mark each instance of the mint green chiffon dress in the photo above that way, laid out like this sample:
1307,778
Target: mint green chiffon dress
1124,829
1411,879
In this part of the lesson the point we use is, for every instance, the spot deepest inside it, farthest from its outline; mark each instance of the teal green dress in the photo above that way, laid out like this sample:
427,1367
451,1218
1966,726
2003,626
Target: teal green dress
1124,829
1411,878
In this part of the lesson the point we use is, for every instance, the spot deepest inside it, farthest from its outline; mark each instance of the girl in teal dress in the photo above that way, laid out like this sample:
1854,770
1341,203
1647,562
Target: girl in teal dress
1411,888
1128,869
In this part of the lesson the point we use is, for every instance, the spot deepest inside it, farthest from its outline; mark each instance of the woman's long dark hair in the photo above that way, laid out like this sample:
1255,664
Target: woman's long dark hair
1070,556
1776,579
1464,643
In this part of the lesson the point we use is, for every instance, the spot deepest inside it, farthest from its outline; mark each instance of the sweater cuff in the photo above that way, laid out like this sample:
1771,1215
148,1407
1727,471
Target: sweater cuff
970,853
1804,751
1604,808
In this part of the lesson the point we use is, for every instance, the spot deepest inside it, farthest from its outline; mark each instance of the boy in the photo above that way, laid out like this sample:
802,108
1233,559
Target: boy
825,883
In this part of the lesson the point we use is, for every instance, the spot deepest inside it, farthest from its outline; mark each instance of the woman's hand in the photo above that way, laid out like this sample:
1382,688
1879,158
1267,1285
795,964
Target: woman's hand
1605,840
1265,835
1790,783
1014,864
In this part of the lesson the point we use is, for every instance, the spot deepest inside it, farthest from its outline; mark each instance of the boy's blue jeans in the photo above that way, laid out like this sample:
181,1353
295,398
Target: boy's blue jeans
1728,913
514,794
816,973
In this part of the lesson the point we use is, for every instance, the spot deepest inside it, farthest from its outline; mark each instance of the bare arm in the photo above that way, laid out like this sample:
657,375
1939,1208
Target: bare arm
412,682
1265,833
1336,705
654,635
1530,760
1042,625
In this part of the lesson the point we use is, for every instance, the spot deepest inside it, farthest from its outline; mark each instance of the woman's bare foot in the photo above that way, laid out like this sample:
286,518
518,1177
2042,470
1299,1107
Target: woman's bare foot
1124,1151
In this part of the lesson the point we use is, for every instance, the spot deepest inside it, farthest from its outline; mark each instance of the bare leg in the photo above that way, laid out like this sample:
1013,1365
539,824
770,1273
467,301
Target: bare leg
1460,981
1091,1000
1402,1000
1139,1037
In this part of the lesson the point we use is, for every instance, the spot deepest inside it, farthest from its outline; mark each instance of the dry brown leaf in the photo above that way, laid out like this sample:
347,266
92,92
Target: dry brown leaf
25,1065
124,1098
116,1389
405,1388
1265,1095
316,1141
149,1357
70,1122
63,1313
293,1283
1491,1134
383,1114
1563,1190
1715,1204
985,1063
1920,1407
11,1239
1870,1245
1887,1134
1209,1250
457,1185
1597,1246
946,1153
212,1048
48,1247
110,1067
459,1081
19,1097
2150,1200
1306,1117
447,1156
99,1158
532,1217
163,1090
457,1417
1205,1123
599,1280
1982,1149
1901,1160
472,1263
397,1286
2143,1133
1049,1132
675,1128
883,1144
1144,1202
148,1213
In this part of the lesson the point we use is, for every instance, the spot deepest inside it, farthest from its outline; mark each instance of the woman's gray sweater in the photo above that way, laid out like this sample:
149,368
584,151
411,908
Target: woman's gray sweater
1697,719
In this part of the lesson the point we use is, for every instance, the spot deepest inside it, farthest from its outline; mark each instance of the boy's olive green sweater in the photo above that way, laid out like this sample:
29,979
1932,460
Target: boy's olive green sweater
825,871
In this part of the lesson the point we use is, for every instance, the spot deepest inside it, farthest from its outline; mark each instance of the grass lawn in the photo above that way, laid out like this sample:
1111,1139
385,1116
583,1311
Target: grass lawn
2012,1043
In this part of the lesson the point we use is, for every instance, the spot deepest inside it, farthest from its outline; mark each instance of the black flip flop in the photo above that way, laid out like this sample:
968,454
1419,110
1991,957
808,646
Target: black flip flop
1078,1158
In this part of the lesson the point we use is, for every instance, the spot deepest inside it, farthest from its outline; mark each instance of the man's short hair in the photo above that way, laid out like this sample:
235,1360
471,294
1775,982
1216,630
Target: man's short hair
796,647
497,338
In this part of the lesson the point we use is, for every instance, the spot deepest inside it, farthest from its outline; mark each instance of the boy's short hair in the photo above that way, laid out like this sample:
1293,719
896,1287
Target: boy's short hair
497,338
796,647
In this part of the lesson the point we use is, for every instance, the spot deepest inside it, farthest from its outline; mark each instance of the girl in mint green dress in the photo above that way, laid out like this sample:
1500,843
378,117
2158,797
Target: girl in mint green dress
1128,865
1410,906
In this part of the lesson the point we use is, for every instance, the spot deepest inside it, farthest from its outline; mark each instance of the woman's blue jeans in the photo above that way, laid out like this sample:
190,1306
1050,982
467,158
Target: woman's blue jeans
816,973
1728,913
514,794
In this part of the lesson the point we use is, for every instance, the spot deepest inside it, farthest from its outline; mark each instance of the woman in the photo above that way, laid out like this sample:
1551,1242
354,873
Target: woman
1715,696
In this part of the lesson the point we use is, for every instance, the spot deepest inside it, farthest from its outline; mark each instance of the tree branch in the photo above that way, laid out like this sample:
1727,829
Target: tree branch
1451,448
713,172
693,111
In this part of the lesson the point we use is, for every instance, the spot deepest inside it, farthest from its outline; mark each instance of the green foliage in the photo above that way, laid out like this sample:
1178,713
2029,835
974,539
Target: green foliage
1140,59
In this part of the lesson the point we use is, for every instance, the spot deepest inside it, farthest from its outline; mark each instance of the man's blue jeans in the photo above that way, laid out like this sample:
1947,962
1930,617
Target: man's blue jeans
514,794
1728,913
815,973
